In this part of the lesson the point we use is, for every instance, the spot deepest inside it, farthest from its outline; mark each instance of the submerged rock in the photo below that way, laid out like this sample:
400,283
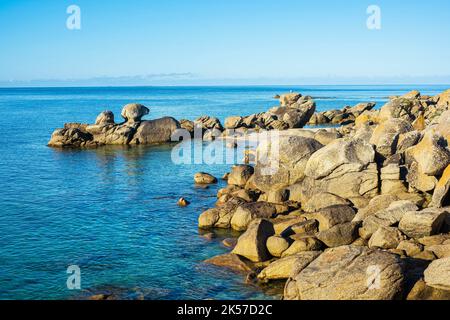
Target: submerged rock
231,261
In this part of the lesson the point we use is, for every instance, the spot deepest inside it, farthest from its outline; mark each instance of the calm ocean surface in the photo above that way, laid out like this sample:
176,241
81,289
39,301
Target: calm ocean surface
112,211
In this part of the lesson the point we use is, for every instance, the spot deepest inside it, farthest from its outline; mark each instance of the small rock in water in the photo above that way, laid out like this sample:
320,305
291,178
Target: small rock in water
229,242
182,202
209,236
99,297
204,178
251,278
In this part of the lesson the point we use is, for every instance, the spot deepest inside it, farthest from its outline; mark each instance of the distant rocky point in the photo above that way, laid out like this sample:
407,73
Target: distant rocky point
105,131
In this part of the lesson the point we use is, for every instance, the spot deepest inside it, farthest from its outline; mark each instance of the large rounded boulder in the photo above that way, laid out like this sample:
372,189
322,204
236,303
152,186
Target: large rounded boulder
349,273
133,112
281,161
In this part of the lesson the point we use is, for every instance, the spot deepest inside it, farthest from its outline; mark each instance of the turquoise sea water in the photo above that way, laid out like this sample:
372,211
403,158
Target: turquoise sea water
112,211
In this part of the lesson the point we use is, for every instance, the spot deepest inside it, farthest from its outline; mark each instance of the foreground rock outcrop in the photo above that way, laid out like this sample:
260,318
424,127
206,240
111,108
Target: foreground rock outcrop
105,131
344,273
361,211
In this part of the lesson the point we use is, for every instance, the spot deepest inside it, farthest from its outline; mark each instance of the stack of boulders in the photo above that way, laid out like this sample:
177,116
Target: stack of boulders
358,213
105,131
294,111
344,116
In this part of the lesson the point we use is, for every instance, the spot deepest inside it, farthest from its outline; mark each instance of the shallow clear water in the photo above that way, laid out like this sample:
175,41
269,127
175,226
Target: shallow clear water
112,211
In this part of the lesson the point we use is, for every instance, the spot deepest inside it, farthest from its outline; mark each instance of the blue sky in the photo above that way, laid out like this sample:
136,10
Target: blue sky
252,41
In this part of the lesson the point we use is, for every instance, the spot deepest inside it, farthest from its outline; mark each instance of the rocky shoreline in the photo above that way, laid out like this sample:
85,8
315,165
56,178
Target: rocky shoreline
357,212
360,211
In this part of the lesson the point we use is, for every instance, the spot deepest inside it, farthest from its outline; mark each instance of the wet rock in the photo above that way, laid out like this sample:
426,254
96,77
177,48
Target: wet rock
99,297
72,137
204,178
231,261
208,218
229,242
182,202
209,236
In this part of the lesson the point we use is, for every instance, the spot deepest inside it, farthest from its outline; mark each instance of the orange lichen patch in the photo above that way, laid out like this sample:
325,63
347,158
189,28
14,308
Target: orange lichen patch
445,177
362,119
366,118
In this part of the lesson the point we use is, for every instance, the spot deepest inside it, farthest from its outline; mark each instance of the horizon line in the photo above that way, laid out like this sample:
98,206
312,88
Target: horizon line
222,85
